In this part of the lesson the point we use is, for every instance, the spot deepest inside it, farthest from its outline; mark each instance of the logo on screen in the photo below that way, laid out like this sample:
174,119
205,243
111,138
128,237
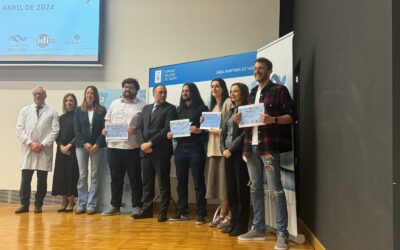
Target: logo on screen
158,76
18,38
43,40
75,40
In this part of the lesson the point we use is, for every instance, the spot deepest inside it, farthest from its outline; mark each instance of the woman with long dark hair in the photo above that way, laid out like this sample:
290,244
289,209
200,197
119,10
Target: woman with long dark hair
90,143
216,180
237,175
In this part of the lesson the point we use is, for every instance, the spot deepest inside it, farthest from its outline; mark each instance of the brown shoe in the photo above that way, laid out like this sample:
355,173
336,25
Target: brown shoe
38,209
91,211
22,209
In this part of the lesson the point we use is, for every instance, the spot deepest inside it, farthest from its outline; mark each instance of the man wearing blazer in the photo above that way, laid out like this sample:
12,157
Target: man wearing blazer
156,151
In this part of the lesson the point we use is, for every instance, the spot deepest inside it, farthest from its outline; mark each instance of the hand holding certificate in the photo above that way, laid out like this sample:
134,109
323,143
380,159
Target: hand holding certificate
180,128
117,132
251,115
211,120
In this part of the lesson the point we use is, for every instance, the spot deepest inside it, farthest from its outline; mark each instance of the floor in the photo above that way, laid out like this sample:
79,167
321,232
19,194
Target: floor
52,230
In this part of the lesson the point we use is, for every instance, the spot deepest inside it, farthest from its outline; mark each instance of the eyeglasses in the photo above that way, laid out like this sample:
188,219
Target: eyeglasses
38,94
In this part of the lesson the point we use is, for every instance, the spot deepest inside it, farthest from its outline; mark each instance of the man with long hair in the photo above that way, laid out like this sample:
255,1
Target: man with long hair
189,154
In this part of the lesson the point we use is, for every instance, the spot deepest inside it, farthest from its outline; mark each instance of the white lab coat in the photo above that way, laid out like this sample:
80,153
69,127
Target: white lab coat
43,129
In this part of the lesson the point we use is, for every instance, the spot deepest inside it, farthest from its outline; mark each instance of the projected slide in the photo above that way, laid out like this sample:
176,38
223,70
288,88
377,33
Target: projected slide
49,30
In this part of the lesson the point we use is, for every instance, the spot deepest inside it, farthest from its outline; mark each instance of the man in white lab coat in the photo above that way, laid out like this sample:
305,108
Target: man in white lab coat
37,129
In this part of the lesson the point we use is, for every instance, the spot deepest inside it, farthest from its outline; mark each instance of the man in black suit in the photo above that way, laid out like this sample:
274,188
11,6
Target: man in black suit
156,151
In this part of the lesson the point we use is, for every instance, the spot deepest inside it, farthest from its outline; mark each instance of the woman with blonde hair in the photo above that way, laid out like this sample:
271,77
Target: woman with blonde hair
66,170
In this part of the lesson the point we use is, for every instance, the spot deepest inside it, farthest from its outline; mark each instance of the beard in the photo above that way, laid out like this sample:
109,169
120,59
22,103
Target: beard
128,95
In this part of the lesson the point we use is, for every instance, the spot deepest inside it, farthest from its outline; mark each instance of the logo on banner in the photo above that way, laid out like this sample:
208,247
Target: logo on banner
158,76
43,40
279,80
18,38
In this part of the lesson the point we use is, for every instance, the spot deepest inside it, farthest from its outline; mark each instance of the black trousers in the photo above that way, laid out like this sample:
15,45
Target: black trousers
156,166
190,156
123,161
25,189
237,178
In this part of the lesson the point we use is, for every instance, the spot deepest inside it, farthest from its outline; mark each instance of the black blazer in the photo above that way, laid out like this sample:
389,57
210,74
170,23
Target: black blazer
82,128
154,127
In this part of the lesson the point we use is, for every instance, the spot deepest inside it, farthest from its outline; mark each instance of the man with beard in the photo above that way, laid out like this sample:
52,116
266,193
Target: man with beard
262,146
124,156
189,154
156,151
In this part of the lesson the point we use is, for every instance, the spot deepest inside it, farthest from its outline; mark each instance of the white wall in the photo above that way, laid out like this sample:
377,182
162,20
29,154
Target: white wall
138,34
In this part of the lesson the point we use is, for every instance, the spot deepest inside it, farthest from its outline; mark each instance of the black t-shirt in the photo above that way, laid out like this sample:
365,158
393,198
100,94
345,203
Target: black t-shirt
193,114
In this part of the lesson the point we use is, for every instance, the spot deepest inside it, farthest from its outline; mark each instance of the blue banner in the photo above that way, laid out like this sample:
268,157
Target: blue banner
224,67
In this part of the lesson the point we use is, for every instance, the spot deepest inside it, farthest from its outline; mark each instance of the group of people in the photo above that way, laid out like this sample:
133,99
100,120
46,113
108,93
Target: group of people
239,160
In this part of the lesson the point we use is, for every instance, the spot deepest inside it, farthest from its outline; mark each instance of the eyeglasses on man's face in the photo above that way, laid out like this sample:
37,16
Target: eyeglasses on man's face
39,94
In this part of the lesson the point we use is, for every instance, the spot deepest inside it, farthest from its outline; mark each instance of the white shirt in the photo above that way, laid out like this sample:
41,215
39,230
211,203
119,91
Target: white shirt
42,129
123,111
254,139
90,117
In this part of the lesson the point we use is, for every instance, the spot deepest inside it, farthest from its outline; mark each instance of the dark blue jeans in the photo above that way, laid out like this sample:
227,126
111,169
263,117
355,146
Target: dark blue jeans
190,156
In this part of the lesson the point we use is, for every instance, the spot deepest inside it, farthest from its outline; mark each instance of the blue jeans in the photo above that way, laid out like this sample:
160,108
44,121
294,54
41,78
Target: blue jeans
263,169
88,199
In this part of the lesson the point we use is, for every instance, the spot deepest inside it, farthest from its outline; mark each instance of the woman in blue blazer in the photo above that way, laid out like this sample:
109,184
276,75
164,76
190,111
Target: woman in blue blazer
90,143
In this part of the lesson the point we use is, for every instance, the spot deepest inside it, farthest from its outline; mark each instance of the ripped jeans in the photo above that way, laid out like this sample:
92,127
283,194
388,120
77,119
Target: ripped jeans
258,176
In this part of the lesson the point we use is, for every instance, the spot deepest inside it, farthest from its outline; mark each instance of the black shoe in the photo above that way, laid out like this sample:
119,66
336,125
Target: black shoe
22,209
200,220
61,210
162,217
227,231
38,209
236,233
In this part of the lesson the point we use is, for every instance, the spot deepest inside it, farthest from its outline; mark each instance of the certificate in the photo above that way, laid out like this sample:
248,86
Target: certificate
180,128
117,132
211,120
251,115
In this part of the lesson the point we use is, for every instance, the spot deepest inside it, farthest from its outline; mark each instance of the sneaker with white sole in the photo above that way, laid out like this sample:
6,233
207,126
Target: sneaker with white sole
136,211
282,243
179,217
111,211
253,234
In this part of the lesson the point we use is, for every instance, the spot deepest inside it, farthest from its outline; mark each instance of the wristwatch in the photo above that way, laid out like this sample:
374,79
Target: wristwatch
276,120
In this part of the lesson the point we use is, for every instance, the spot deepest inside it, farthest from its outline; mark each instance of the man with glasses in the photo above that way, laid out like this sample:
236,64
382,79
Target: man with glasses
37,129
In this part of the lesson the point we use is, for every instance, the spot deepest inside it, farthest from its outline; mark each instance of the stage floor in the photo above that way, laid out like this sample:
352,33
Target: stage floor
52,230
